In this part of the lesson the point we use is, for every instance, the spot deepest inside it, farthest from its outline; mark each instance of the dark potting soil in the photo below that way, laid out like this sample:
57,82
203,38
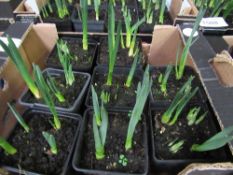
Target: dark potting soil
81,59
127,2
120,96
173,85
115,146
70,93
33,152
119,15
122,59
146,27
196,134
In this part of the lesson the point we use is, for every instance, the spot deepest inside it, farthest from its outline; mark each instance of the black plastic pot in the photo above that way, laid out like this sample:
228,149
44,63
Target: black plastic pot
76,67
92,25
57,72
62,25
78,151
66,167
174,165
103,70
200,95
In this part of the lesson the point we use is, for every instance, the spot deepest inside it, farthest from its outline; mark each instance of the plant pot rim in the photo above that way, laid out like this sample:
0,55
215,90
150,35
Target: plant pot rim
71,108
101,172
64,115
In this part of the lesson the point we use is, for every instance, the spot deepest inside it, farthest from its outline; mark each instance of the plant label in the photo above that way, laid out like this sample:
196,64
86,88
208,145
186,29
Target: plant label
185,5
33,6
213,22
17,42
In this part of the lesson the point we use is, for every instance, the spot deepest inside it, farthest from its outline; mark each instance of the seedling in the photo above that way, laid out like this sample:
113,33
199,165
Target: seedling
84,11
51,83
17,59
97,4
46,95
105,96
123,160
175,146
132,70
164,78
7,147
130,29
193,118
182,97
180,64
143,91
217,141
51,141
62,9
96,105
100,126
65,60
19,118
113,41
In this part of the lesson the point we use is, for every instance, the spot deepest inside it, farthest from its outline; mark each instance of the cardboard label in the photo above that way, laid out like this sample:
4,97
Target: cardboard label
33,5
185,5
168,4
214,22
17,42
26,19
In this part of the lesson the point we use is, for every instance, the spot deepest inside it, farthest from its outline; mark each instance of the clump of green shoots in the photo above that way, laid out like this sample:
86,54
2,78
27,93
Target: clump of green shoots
182,97
193,117
132,70
19,118
216,7
51,141
113,41
61,7
100,126
148,7
7,147
65,60
51,83
131,29
17,59
105,96
175,146
217,141
143,91
46,95
180,64
83,16
163,78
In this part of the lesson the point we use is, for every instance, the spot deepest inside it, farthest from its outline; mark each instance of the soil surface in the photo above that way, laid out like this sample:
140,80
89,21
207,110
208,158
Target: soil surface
70,93
81,59
127,2
33,152
114,147
173,85
122,55
196,134
121,96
